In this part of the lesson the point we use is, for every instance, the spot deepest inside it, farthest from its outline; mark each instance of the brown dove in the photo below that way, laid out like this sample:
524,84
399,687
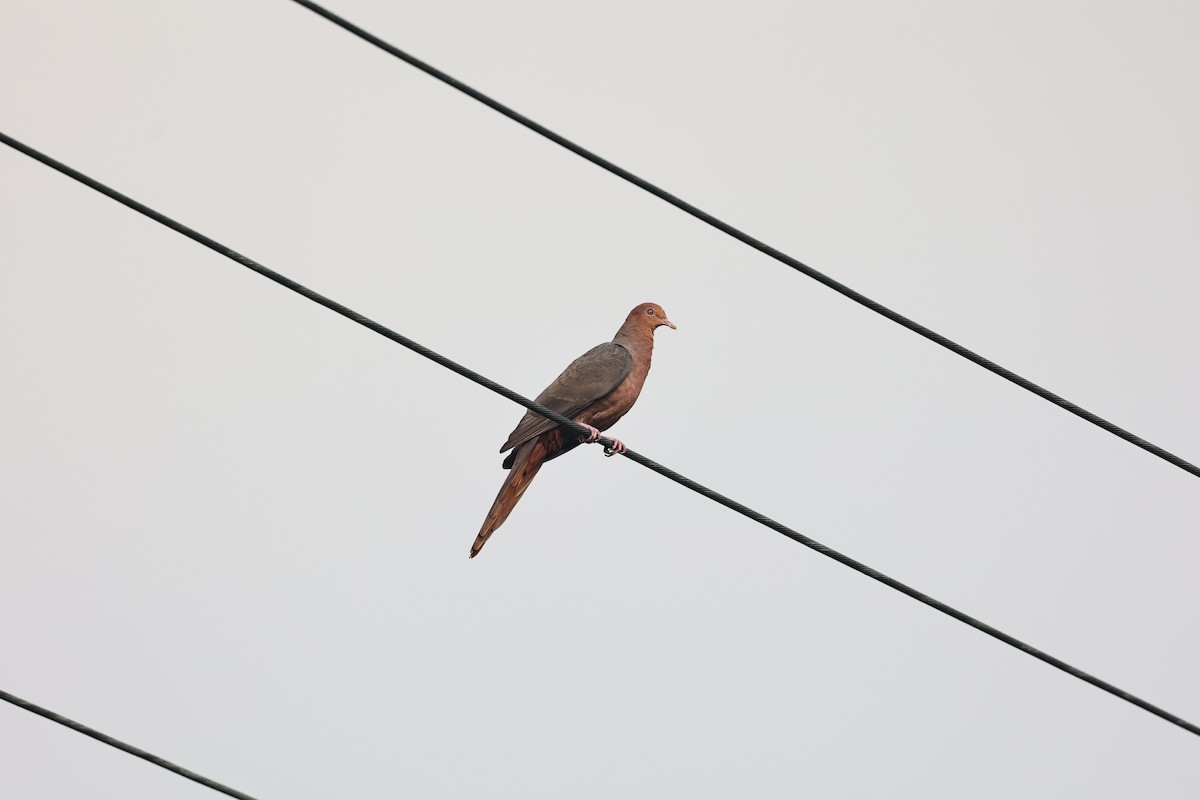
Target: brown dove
596,390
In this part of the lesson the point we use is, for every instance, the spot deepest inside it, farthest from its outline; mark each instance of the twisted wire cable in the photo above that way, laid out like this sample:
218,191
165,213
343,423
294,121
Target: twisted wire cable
117,743
666,472
747,239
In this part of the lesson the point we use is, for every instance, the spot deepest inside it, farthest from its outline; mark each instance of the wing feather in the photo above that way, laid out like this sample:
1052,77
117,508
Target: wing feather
589,378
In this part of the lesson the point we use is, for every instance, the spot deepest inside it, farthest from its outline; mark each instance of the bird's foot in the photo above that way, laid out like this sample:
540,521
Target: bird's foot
593,434
617,447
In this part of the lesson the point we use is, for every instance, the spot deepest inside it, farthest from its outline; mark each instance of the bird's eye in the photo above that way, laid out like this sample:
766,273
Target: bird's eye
650,311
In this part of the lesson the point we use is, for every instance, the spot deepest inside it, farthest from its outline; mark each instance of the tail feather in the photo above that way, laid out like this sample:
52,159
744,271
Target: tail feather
526,462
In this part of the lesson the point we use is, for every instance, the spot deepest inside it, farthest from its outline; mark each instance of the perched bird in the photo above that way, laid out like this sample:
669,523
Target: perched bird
595,391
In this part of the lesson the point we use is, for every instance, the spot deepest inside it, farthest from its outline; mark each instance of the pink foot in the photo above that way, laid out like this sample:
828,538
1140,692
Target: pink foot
593,433
617,447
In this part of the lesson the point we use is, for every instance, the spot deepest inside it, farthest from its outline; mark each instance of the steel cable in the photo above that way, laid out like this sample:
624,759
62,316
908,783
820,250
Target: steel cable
734,505
117,743
745,238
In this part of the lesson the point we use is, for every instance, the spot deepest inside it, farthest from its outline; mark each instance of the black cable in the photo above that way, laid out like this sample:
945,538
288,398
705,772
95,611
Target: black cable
640,459
746,238
117,743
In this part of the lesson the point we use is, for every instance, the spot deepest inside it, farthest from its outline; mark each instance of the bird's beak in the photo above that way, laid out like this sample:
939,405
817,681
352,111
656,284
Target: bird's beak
669,324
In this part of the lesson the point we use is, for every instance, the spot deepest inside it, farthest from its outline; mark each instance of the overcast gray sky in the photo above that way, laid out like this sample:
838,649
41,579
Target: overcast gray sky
235,525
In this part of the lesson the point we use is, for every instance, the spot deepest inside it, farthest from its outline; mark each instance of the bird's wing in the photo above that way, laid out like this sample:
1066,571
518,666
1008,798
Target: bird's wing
589,378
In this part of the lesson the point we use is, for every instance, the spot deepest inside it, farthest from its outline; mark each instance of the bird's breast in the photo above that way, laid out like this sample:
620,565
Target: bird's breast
605,412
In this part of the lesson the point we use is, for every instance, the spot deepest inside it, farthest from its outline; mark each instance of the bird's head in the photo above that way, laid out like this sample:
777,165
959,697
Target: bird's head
649,316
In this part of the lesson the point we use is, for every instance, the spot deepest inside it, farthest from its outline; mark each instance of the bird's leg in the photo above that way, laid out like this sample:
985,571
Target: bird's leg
593,434
617,447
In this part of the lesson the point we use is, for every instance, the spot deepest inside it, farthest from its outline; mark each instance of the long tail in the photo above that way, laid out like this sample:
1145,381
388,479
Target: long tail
526,462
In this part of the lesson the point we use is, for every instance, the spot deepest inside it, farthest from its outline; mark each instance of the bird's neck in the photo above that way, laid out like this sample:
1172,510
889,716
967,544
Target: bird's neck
639,341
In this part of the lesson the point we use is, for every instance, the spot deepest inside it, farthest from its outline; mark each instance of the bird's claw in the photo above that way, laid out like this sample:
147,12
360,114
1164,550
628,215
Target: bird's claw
617,447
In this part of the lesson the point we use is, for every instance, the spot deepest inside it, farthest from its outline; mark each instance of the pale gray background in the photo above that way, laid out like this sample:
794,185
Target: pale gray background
235,525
